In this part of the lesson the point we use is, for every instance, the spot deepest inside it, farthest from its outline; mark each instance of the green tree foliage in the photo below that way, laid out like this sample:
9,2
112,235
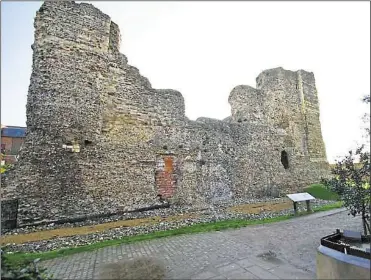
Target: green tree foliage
351,180
366,117
5,168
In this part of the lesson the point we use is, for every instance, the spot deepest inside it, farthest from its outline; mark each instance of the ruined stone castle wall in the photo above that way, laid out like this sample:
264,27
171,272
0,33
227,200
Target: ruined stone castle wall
310,109
101,140
247,104
282,109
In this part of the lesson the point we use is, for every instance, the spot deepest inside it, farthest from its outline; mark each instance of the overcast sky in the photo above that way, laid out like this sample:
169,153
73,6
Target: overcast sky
205,49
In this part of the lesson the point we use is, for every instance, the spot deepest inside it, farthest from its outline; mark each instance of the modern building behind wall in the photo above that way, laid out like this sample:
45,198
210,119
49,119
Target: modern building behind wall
12,138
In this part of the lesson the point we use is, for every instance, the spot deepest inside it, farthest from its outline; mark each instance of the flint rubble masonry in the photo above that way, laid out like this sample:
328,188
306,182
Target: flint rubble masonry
101,140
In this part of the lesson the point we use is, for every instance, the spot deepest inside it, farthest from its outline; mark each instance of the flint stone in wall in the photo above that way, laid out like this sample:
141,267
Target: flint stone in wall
84,94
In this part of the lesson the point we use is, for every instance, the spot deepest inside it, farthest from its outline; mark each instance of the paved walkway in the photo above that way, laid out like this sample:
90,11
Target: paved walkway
283,250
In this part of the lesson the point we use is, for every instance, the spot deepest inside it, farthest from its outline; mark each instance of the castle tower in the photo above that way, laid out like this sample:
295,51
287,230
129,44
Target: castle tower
280,120
91,121
291,103
64,111
311,114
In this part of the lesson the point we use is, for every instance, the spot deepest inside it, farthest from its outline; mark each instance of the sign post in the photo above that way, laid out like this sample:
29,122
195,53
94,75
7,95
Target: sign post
298,197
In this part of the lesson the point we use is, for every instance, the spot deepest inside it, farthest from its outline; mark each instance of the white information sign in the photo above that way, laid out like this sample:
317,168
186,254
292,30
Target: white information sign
297,197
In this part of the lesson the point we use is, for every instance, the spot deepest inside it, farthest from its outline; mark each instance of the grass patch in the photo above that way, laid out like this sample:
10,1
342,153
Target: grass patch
321,192
18,259
335,205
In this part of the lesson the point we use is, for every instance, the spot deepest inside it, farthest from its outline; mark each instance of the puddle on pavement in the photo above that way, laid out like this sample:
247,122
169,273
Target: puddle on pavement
270,256
139,268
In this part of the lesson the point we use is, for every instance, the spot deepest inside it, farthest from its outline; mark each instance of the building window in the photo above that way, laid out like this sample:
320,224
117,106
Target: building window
285,159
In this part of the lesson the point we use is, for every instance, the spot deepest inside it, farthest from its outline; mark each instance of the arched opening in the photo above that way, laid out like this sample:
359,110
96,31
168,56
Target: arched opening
285,159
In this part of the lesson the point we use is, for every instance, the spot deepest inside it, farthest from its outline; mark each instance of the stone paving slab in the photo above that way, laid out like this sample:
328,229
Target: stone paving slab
262,273
283,250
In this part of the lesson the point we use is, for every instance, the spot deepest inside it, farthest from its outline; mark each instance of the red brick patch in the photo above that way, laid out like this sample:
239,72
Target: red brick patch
165,177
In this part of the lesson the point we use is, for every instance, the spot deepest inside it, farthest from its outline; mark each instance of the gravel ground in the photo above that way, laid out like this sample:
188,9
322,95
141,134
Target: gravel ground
164,212
208,215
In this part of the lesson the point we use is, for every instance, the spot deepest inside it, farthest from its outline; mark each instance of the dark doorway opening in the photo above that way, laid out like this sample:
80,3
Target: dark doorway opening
285,159
9,213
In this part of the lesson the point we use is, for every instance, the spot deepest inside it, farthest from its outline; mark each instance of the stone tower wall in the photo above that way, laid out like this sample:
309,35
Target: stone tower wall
285,107
310,110
247,105
101,140
63,109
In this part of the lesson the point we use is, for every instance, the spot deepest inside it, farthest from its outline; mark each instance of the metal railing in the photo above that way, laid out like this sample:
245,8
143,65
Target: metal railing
332,242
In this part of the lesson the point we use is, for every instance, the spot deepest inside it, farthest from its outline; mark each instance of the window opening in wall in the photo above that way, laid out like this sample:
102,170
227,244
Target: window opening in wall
284,159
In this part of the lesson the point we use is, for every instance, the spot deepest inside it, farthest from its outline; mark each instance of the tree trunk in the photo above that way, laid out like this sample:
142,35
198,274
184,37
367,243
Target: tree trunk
364,222
368,227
